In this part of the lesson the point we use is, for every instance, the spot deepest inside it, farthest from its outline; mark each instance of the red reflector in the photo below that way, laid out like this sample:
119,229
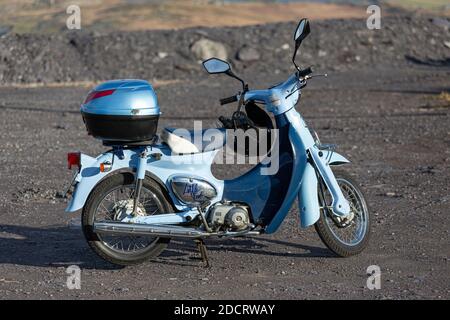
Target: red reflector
98,94
73,159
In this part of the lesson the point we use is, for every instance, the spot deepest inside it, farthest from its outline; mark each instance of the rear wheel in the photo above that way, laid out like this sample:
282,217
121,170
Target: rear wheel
112,200
349,235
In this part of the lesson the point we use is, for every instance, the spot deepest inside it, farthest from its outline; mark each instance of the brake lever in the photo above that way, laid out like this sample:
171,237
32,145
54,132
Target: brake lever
315,75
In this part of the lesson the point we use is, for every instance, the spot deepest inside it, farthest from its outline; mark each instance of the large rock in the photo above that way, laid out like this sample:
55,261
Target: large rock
441,22
204,49
248,54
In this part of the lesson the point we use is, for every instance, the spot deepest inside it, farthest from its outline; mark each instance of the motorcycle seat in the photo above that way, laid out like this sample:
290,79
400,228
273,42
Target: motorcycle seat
183,141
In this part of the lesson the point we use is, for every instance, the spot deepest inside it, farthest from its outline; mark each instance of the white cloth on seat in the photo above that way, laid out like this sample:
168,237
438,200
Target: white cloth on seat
178,144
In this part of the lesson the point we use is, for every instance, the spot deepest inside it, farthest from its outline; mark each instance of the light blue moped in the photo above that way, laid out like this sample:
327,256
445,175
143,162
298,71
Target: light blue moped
143,192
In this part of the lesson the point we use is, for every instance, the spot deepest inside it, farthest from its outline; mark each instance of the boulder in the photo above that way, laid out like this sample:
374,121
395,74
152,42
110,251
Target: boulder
247,54
204,49
441,22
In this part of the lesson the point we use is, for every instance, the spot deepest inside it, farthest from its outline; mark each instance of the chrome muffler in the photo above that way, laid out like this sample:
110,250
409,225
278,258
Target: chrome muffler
160,230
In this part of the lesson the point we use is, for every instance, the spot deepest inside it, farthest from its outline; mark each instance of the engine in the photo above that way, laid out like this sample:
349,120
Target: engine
228,216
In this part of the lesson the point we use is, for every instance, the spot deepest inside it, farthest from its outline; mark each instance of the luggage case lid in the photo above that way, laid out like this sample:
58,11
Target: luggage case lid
126,97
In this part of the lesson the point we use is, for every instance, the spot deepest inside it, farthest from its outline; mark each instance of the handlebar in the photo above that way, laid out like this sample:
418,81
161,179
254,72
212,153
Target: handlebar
305,72
296,82
228,100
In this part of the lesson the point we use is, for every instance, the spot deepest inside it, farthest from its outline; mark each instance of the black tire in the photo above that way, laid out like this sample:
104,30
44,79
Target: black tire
323,226
95,199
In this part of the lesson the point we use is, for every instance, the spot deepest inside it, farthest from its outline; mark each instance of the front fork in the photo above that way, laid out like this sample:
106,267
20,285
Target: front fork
340,205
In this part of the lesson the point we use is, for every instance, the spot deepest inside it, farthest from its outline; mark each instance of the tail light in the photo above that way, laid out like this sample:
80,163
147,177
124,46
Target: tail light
73,159
98,94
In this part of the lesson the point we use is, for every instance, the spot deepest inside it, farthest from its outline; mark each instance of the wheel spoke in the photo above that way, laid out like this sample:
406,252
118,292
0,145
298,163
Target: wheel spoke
118,202
353,232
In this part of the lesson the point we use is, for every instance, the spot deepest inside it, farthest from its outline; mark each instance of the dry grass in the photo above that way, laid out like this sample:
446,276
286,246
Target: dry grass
444,98
46,16
30,16
422,4
437,102
86,84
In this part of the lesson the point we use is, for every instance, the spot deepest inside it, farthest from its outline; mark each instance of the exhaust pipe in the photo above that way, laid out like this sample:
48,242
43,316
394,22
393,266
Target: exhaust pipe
159,230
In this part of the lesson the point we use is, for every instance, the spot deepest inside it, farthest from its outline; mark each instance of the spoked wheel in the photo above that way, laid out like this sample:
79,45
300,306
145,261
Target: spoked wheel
349,235
112,200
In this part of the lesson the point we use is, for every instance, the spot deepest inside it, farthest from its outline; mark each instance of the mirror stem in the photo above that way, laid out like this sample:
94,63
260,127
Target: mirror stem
231,74
294,56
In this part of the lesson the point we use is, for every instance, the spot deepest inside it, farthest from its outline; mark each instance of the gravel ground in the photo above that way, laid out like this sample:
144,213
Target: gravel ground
387,120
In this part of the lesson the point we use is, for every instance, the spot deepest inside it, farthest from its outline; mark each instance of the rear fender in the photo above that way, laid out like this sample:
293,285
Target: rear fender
90,175
159,169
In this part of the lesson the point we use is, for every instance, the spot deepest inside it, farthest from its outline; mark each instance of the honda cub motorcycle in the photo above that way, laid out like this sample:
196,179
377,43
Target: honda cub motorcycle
145,190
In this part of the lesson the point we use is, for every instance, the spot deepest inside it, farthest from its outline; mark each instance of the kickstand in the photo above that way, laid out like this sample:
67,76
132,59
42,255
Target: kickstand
203,253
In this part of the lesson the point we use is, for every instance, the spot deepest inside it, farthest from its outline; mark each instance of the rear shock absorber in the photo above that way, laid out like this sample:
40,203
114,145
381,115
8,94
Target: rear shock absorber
140,176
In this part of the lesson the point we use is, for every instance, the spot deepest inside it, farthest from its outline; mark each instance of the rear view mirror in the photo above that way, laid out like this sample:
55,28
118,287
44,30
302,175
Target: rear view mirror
215,65
301,32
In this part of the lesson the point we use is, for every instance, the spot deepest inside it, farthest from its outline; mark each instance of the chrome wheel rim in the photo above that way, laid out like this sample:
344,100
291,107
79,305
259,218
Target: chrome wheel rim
112,207
350,233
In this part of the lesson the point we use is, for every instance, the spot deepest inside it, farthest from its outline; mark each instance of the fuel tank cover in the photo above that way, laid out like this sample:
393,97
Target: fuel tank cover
192,191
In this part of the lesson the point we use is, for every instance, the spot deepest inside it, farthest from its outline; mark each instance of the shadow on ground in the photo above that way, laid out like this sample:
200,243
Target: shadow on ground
428,61
61,246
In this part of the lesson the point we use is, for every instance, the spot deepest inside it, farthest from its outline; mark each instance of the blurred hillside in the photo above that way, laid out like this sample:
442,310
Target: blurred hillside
334,45
49,16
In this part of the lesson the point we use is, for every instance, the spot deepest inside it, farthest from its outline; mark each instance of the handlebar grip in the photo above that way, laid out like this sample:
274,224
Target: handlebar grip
228,100
305,72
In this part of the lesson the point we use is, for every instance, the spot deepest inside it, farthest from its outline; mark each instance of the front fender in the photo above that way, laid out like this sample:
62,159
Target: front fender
335,159
307,196
308,201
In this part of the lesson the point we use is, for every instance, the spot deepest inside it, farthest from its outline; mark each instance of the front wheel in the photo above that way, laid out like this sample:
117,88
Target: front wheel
349,235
